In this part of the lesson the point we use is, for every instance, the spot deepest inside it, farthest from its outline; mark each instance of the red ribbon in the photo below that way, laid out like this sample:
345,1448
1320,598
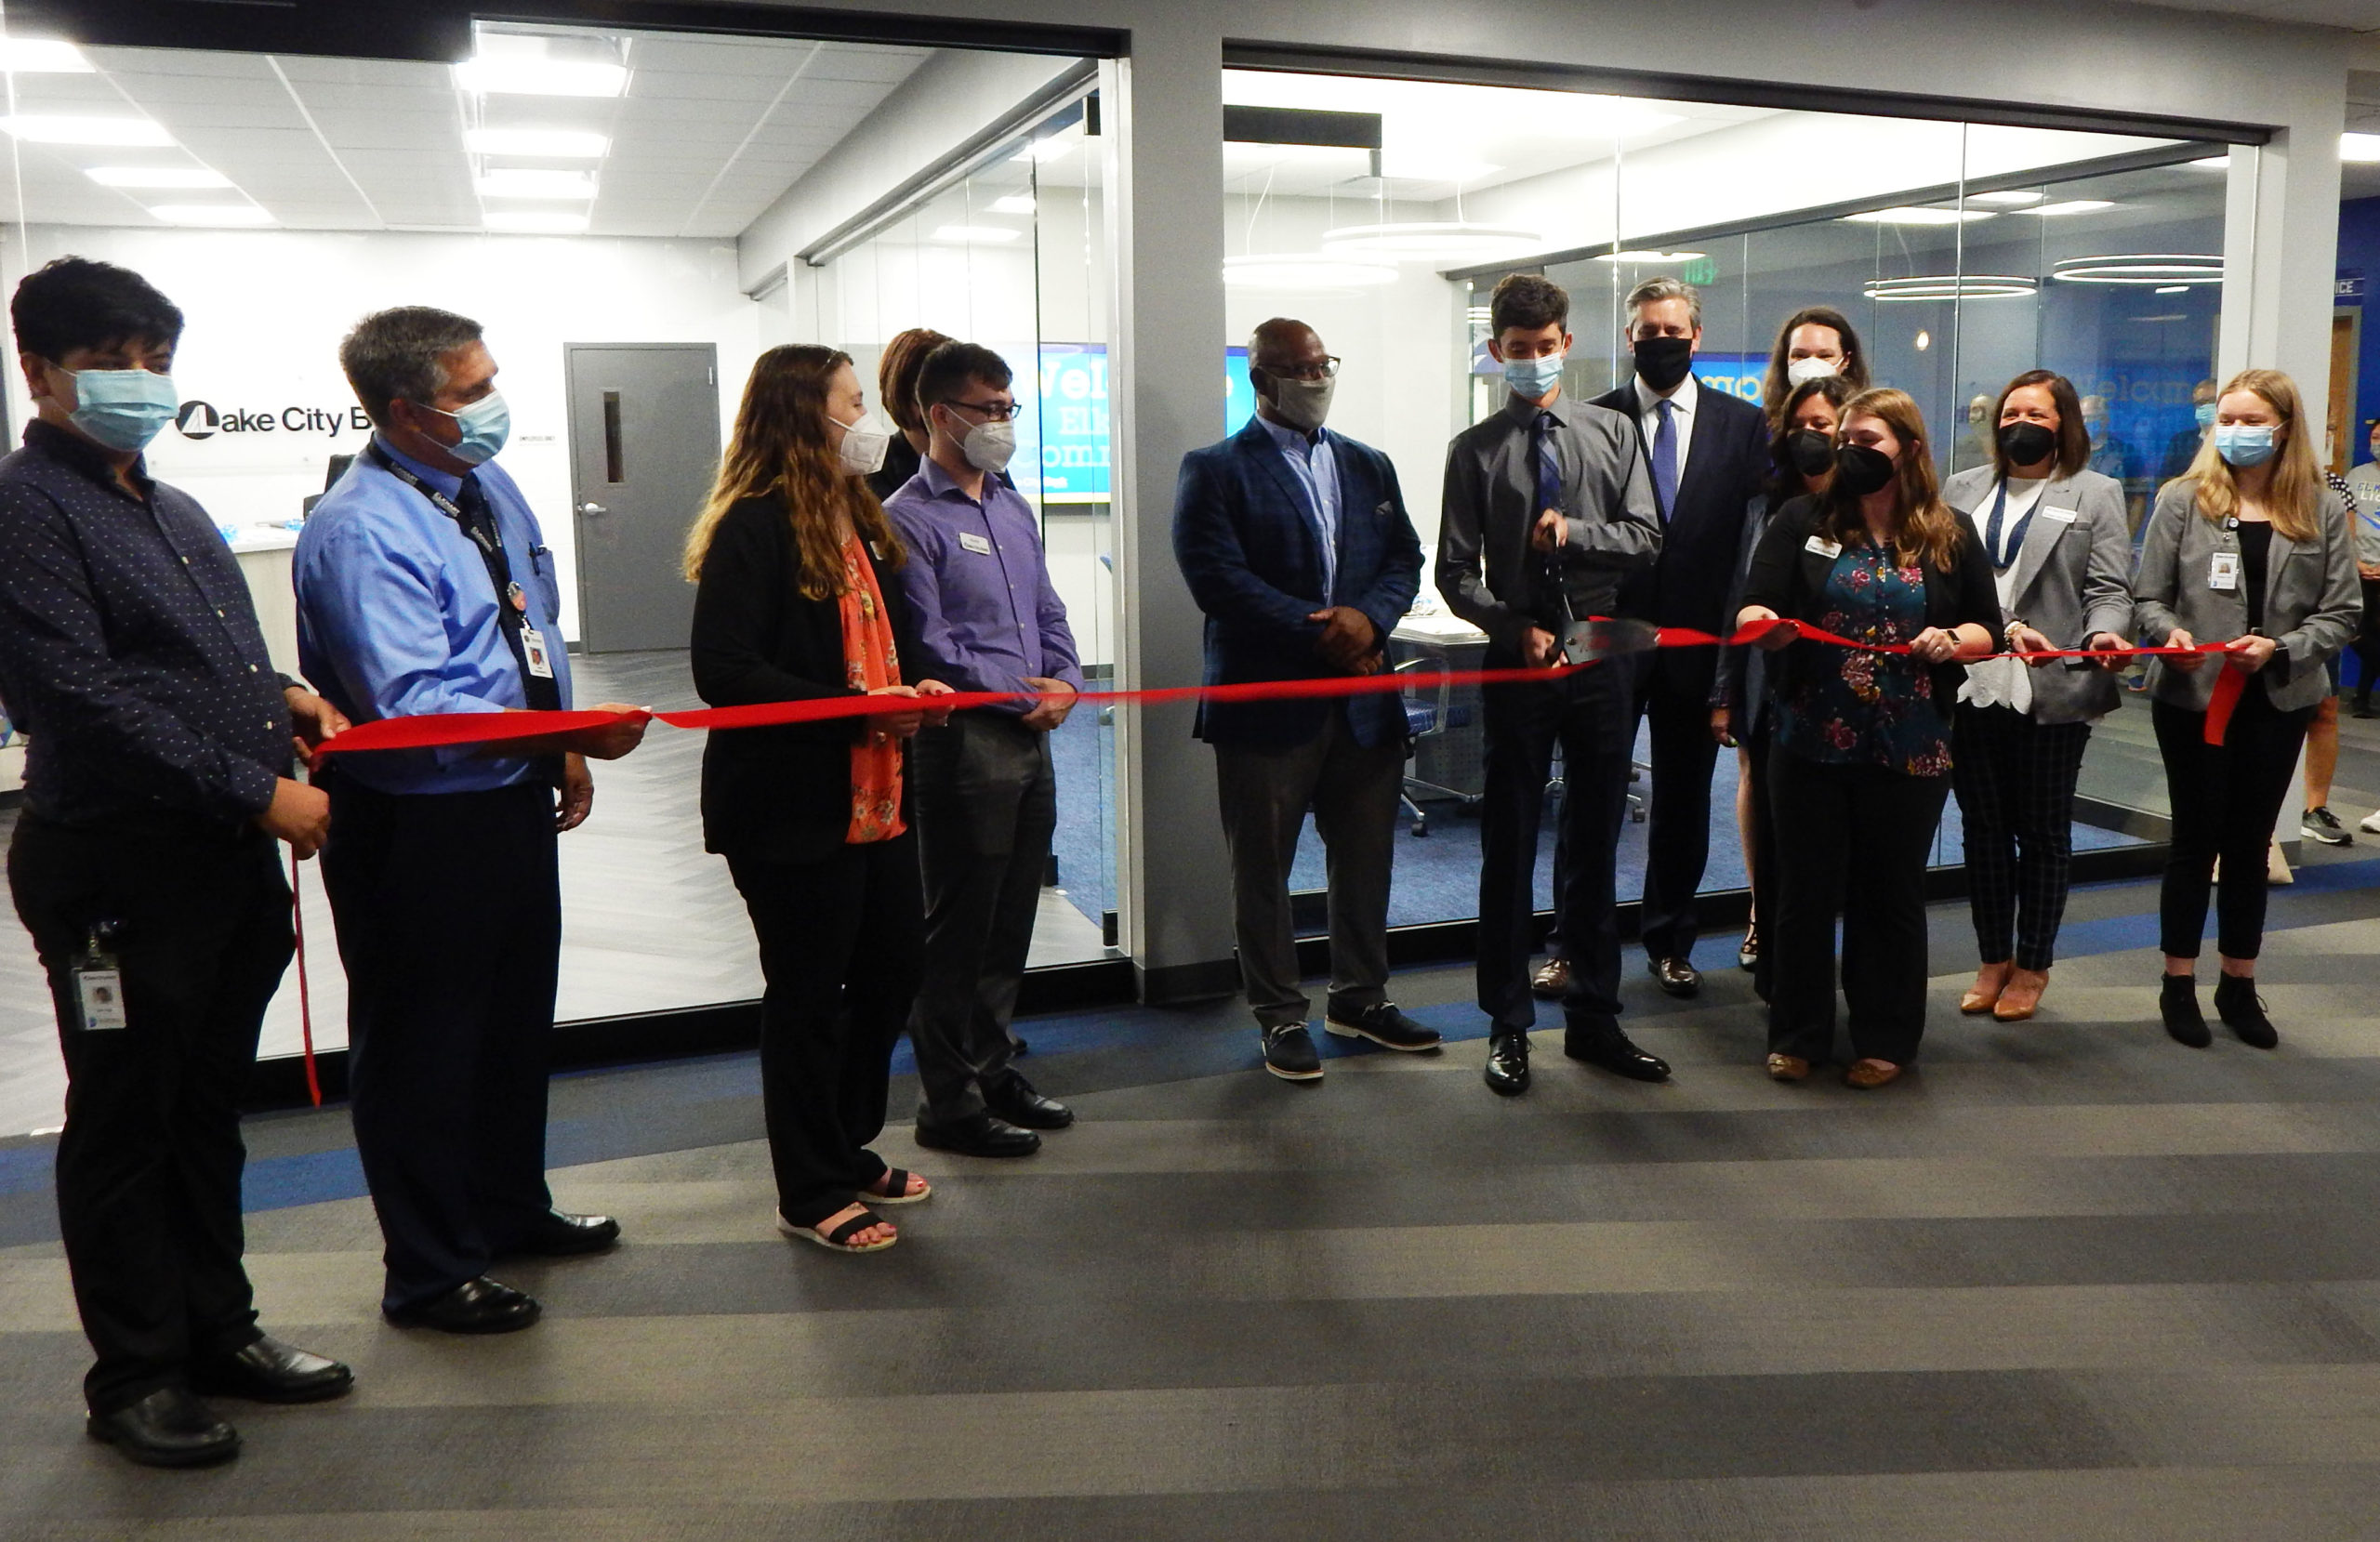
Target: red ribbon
305,997
440,729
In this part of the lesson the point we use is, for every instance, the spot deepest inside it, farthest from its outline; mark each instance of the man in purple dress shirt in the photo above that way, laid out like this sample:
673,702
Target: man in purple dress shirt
982,791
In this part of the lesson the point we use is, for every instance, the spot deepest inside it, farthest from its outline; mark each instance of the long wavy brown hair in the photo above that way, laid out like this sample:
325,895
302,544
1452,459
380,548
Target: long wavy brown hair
782,449
2294,498
1775,386
1923,528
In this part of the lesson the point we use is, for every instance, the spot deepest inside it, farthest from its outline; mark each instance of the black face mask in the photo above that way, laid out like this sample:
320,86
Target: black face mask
1859,471
1661,362
1809,452
2027,443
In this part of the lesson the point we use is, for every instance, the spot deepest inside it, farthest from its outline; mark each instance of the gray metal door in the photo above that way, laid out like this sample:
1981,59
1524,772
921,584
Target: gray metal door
643,447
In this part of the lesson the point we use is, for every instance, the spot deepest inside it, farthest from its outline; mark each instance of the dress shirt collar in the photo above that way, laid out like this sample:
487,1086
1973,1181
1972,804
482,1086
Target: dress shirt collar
445,482
1683,399
1292,440
1524,411
940,484
77,454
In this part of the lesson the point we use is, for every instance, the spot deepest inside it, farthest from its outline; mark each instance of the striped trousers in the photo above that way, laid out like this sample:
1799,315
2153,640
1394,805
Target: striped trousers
2014,781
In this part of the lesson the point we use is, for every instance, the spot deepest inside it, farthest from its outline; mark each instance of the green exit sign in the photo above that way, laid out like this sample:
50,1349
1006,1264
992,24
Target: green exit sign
1702,270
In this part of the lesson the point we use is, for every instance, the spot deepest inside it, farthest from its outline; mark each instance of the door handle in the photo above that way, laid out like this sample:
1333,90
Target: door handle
592,508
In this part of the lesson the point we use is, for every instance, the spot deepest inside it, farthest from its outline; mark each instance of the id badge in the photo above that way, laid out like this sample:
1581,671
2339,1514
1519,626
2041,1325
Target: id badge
1820,546
2224,573
533,649
99,990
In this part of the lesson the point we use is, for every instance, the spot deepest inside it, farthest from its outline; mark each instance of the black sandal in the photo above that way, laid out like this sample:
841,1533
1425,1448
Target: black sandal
840,1239
896,1185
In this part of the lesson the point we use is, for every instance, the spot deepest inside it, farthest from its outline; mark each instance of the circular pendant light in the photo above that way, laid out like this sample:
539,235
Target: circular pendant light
1431,241
1305,270
2141,268
1952,286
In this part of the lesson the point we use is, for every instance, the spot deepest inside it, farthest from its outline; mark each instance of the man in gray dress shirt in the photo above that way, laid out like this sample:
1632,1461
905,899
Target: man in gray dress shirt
1548,507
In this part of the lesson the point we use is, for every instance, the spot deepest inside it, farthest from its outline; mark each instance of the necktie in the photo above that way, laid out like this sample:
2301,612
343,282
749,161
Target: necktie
1549,495
542,692
1665,458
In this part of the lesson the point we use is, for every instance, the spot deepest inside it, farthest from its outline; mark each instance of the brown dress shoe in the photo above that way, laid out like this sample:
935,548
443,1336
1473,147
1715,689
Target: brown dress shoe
1552,980
1788,1067
2022,997
1989,982
1870,1074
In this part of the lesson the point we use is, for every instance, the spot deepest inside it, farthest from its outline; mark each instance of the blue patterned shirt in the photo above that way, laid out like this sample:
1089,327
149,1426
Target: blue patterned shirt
1870,709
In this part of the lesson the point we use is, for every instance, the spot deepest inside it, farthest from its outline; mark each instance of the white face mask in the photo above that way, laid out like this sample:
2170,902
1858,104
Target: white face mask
863,443
987,446
1801,372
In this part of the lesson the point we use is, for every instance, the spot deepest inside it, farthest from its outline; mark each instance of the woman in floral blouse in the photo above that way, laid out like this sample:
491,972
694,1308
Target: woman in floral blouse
1861,759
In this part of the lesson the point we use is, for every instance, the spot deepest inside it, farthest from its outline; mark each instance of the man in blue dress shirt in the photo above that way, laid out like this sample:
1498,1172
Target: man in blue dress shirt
157,781
424,586
986,798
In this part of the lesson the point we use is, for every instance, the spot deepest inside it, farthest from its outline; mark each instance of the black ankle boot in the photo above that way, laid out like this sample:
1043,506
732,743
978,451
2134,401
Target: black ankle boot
2243,1010
2177,1003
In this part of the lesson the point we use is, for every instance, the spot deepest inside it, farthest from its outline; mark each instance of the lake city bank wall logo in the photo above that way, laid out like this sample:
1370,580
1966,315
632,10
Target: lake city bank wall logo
204,420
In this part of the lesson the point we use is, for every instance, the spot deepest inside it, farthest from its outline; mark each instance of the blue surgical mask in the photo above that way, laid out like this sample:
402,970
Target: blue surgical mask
487,423
123,409
2205,411
2245,445
1532,378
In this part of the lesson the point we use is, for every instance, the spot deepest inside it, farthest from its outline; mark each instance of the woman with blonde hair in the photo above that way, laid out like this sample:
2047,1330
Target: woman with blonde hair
2250,548
792,556
1860,763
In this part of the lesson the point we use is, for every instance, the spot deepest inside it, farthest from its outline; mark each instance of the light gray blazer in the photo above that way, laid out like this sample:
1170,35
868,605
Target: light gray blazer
2068,582
2312,601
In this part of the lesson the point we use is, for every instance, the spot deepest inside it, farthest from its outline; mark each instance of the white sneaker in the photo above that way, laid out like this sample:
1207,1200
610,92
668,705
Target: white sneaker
2371,825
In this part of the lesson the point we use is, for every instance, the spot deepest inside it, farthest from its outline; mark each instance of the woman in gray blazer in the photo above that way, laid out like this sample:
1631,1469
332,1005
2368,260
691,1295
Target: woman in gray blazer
2250,546
2060,544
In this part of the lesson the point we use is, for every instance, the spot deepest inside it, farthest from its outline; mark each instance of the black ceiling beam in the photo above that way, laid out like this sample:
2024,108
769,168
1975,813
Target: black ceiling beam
1301,125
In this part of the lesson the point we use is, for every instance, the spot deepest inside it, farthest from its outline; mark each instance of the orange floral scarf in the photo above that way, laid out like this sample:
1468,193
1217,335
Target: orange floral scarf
869,661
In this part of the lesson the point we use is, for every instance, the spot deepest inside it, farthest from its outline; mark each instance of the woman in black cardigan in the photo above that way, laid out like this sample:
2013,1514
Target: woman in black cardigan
813,817
1860,762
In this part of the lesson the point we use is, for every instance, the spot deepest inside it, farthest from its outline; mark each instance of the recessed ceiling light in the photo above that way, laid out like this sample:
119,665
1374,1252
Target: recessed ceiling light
524,182
532,77
2072,205
1015,203
1917,217
211,214
43,129
42,55
1648,256
536,222
157,177
2012,198
988,233
2362,149
568,144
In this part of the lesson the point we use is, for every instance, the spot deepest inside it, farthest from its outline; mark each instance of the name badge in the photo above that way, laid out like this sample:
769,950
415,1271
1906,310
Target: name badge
976,544
99,993
2224,572
532,649
1823,547
2063,516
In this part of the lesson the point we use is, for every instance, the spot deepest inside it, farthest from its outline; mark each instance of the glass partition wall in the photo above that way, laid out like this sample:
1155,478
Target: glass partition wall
1969,254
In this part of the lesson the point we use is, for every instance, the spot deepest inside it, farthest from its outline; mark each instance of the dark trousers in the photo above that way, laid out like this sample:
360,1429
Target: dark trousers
1589,715
149,1164
2015,778
1673,687
839,944
987,803
1265,793
2367,641
449,914
1762,858
1853,840
2224,800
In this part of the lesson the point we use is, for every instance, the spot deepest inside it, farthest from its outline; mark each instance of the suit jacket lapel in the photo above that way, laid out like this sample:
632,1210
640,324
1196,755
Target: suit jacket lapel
2041,535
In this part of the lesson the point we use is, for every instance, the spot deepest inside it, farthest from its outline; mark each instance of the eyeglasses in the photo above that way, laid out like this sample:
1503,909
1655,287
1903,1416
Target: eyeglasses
993,412
1326,370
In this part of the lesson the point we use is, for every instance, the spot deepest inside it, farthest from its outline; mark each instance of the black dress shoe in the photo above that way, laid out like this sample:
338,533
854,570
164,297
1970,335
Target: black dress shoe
1612,1049
475,1306
168,1428
1289,1053
1507,1071
979,1134
1015,1101
270,1371
1677,977
1381,1023
557,1235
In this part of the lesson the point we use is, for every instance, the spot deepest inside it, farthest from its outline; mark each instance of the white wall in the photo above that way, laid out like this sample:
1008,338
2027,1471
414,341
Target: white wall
265,310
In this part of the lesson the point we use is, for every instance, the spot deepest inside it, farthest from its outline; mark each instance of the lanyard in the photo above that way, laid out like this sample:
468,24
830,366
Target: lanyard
2016,537
512,601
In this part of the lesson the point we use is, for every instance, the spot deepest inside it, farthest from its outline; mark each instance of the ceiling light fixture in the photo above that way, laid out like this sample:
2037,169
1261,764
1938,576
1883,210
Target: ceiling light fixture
1641,255
524,182
2072,205
119,133
1917,217
563,144
970,234
529,75
1952,286
42,55
211,214
2361,149
535,223
2012,198
2145,268
1015,203
1429,241
157,178
1305,270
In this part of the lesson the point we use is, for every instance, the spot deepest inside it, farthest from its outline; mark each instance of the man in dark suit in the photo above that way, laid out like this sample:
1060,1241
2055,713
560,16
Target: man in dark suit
1705,451
1295,542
